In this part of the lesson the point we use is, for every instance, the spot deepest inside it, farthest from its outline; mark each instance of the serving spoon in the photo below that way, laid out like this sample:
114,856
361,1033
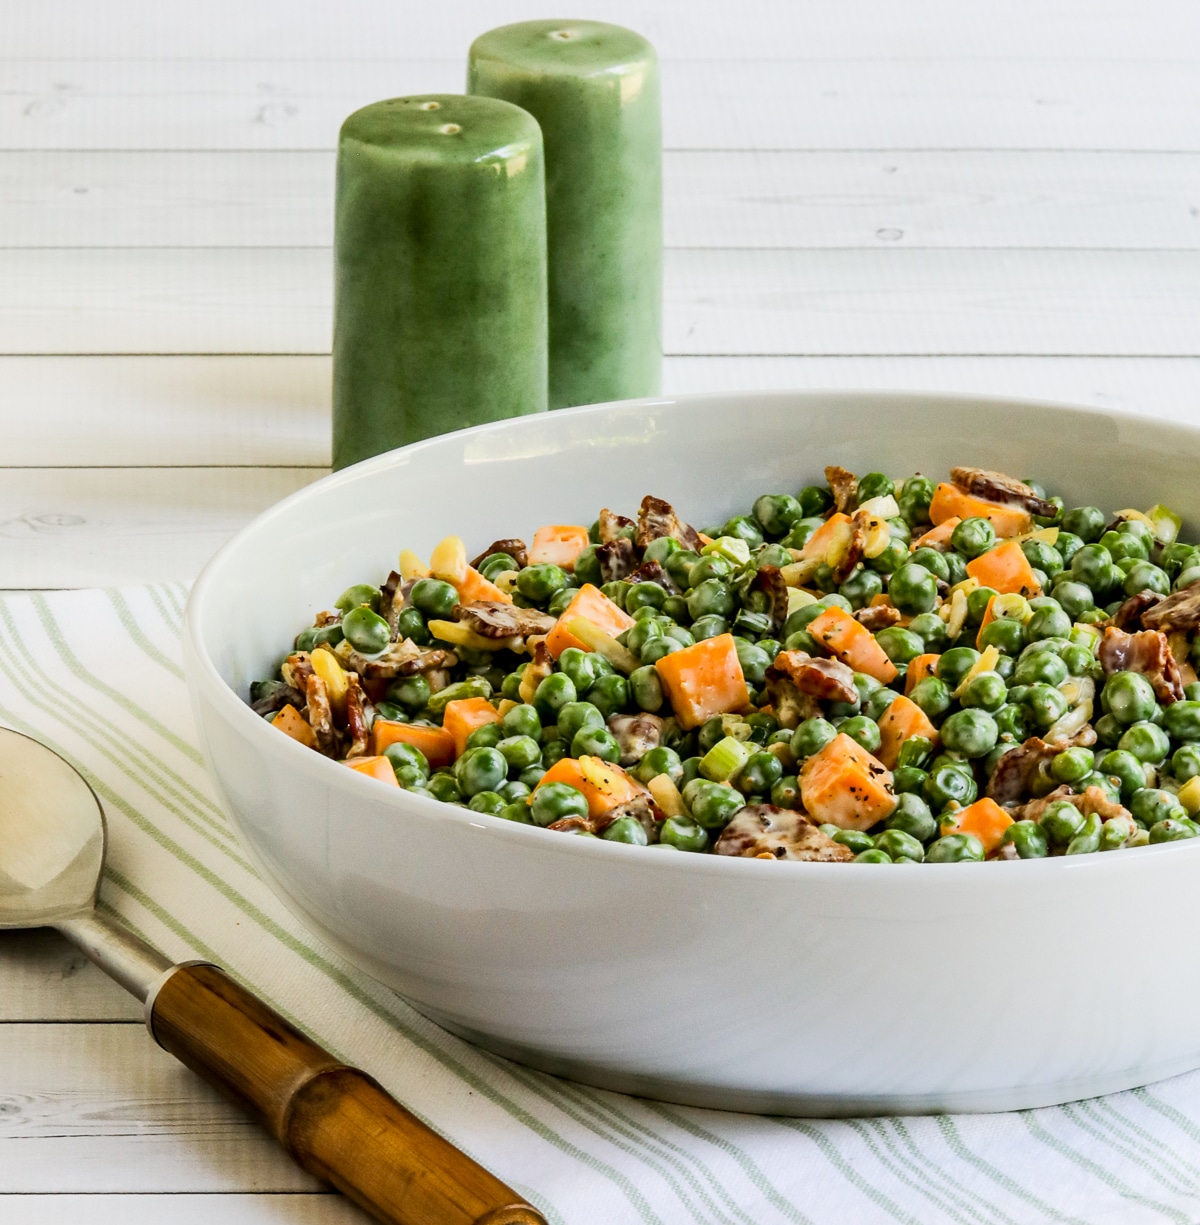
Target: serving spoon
334,1120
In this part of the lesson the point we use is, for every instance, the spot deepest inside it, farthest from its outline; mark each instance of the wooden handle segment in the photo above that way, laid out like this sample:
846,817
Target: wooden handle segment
336,1121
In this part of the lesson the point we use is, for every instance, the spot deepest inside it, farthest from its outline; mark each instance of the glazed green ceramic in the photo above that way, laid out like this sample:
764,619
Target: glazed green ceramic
440,271
594,90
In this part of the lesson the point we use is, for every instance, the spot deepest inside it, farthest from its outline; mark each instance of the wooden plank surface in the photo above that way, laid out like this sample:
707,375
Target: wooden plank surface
717,302
114,411
730,198
789,29
836,103
305,1208
47,979
99,527
101,1108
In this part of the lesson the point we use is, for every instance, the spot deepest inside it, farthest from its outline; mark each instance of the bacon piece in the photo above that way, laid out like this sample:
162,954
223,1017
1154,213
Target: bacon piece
790,705
853,552
356,718
641,807
571,825
1001,489
764,831
769,579
657,519
319,714
492,619
616,558
843,484
514,547
390,607
296,669
402,658
1129,615
612,525
878,616
636,735
653,572
1092,800
1147,652
828,680
274,695
1019,769
1178,611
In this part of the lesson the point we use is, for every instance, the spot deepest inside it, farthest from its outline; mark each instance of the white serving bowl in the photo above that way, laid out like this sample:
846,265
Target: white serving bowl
803,988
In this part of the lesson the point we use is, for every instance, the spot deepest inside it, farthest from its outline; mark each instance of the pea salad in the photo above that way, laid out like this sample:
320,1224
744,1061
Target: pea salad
872,670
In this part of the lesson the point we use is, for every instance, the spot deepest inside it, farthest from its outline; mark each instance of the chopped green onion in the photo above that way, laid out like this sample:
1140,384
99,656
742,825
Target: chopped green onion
724,760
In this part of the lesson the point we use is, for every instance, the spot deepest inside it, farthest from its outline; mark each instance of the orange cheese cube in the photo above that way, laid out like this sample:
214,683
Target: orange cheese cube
950,501
1005,569
918,670
435,742
704,680
590,602
937,537
902,720
818,543
465,716
851,642
476,587
378,768
292,723
845,786
602,784
559,544
985,819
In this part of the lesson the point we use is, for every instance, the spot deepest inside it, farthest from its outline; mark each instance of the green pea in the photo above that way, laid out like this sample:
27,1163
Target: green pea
875,706
1152,804
488,801
744,527
433,598
913,589
914,500
580,666
644,595
899,844
893,558
950,784
482,769
933,561
1075,598
711,598
1124,766
538,583
519,751
401,754
1079,660
411,692
1046,705
932,695
955,664
616,592
711,804
498,563
1185,762
518,811
595,742
777,512
862,731
901,646
640,633
1087,840
522,720
909,780
552,694
659,760
931,630
556,801
357,596
862,587
1043,556
487,736
811,737
1060,822
573,717
626,829
986,691
678,565
443,786
610,694
872,855
973,537
971,732
753,659
1147,742
1128,697
683,834
411,624
1182,721
515,789
1108,731
1040,667
1072,764
874,485
709,627
785,792
855,839
532,775
760,773
1028,839
1123,547
1013,720
1146,576
1048,621
912,816
1174,829
646,689
1005,635
954,848
1086,522
1091,565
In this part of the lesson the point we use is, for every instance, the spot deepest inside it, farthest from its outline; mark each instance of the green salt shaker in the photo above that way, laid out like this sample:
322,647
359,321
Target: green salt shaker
594,90
440,271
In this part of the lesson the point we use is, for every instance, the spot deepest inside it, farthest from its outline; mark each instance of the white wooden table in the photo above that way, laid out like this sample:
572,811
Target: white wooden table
935,194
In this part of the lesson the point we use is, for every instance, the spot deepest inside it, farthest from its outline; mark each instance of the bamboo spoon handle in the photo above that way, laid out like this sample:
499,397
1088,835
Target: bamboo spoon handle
334,1120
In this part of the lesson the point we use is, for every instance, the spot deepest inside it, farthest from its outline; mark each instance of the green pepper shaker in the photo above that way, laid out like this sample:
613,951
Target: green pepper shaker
440,271
594,90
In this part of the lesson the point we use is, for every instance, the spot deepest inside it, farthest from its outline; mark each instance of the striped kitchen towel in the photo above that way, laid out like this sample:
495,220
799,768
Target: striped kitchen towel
96,675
